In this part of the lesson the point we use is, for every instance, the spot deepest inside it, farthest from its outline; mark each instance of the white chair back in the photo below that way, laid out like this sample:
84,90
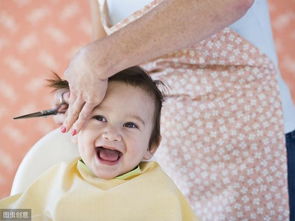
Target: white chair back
53,148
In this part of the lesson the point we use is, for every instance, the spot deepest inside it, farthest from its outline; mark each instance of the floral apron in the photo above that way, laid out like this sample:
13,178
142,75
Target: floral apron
222,126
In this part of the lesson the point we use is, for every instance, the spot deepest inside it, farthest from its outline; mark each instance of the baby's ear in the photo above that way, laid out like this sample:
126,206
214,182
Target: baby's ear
151,151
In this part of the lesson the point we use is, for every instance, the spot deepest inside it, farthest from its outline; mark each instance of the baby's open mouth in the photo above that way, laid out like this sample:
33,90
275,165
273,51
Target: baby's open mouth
107,154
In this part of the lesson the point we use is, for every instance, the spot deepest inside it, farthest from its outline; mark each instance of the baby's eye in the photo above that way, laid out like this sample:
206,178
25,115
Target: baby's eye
130,125
100,118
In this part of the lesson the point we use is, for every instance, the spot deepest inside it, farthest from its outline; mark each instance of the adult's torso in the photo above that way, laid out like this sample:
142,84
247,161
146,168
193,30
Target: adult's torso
254,26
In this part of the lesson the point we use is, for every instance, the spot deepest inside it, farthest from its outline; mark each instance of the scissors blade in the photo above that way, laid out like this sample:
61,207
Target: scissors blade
42,113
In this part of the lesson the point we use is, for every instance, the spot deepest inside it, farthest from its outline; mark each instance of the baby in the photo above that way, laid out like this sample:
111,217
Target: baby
111,180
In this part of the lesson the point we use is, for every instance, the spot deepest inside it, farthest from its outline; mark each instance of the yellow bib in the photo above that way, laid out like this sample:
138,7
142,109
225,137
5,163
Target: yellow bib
71,192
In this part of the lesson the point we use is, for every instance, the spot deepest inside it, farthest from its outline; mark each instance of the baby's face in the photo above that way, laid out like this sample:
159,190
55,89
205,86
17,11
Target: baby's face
116,138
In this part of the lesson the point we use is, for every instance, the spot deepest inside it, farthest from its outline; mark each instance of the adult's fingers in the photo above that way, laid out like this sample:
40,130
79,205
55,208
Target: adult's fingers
75,107
83,117
65,97
59,119
61,101
61,96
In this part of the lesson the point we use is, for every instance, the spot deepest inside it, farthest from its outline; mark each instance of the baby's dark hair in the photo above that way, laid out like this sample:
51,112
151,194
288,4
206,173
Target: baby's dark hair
137,77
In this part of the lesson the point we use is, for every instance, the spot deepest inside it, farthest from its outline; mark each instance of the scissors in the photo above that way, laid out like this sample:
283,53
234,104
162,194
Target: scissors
63,106
42,113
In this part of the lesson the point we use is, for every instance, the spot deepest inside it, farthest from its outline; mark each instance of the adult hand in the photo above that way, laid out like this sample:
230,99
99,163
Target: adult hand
87,89
61,101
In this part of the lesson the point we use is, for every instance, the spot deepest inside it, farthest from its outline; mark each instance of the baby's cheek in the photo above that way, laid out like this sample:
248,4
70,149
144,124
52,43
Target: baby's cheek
82,145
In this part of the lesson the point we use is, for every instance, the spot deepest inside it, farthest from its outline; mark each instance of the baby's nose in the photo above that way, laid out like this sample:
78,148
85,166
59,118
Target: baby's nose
111,134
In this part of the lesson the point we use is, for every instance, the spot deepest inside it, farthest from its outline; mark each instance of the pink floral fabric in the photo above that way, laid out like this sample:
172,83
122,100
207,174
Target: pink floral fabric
222,128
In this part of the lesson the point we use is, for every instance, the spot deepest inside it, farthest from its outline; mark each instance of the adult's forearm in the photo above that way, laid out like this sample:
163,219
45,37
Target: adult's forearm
172,25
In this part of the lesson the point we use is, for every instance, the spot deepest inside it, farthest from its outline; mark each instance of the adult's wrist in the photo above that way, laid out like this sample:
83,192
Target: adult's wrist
103,56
